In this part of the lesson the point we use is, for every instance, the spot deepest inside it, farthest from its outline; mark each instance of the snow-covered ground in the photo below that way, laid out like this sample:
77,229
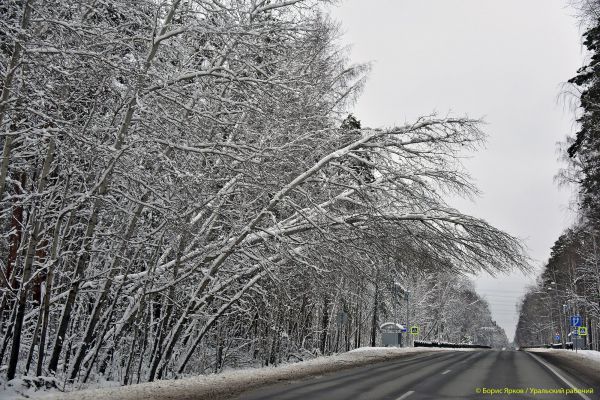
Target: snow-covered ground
582,355
226,384
585,362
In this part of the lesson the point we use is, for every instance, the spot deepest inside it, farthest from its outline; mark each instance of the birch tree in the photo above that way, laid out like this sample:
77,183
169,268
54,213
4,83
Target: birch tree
175,178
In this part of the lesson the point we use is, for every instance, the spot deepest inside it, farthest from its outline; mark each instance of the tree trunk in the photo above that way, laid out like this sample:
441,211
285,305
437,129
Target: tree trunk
95,315
10,74
49,279
14,241
324,324
28,269
34,341
82,262
374,326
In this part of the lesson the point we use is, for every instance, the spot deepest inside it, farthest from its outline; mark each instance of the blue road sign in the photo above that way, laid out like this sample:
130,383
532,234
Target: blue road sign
576,320
557,337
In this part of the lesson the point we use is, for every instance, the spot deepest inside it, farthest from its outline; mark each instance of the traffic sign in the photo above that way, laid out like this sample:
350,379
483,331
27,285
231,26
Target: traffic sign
414,330
576,320
582,331
557,337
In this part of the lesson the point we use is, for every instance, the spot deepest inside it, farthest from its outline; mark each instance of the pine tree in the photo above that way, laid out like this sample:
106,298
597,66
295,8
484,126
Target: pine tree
587,142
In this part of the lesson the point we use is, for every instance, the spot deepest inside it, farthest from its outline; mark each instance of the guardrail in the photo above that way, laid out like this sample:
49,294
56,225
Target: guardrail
568,345
422,343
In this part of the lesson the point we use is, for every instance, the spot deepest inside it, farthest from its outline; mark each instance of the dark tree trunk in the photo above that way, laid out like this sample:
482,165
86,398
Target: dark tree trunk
324,324
375,316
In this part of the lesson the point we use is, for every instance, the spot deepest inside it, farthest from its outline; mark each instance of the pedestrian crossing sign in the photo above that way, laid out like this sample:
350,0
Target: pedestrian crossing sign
414,330
582,331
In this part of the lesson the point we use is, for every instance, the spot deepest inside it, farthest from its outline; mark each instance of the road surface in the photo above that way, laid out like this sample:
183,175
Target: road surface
440,376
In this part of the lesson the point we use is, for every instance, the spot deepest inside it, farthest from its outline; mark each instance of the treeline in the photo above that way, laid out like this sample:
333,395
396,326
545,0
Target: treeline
178,192
448,309
568,286
570,282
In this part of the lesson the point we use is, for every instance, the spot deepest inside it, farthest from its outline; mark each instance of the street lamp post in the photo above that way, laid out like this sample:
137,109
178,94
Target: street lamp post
560,320
551,324
405,293
567,329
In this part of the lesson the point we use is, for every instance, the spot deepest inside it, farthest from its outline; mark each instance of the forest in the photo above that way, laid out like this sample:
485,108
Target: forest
183,189
569,284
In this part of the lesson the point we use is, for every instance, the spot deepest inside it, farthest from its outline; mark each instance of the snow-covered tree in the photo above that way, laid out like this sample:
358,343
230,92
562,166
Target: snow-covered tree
175,181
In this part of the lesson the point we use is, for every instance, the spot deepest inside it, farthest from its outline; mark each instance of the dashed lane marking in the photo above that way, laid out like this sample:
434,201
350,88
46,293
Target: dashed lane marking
405,395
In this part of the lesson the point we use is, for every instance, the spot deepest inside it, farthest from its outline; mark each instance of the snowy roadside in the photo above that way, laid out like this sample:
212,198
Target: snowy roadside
230,383
585,363
583,355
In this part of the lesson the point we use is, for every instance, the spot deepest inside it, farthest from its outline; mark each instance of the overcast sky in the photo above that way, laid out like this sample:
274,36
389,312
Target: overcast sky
504,61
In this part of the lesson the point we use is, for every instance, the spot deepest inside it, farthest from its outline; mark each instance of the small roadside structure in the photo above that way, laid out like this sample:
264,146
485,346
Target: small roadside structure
391,334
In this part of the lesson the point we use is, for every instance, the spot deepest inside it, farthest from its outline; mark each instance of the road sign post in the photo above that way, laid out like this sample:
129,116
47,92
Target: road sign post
576,322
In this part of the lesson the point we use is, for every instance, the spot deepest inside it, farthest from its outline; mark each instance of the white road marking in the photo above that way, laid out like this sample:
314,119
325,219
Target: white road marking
445,372
405,395
562,378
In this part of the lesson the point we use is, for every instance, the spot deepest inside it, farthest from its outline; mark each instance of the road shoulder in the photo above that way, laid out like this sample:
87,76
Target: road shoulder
231,383
584,369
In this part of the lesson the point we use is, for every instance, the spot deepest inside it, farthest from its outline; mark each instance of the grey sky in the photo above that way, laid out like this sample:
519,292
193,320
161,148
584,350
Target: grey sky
501,60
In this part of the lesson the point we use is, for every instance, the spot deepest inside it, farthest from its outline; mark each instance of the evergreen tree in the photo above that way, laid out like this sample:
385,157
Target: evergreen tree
587,142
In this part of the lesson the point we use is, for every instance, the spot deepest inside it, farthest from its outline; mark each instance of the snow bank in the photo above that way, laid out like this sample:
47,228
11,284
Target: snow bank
26,386
581,355
230,383
585,364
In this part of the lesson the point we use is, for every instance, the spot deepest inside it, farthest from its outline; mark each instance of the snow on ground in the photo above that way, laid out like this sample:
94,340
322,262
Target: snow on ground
16,389
230,383
581,355
586,363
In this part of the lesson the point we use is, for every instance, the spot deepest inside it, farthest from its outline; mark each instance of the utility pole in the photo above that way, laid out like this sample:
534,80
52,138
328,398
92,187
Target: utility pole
552,330
554,285
403,293
566,321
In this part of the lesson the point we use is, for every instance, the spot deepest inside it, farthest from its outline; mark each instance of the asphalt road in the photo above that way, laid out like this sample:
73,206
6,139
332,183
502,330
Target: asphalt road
440,375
